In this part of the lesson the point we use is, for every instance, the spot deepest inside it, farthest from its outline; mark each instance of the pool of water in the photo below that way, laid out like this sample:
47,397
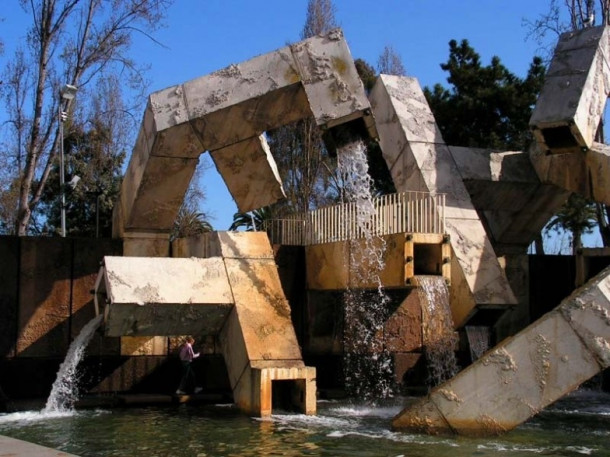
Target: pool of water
577,425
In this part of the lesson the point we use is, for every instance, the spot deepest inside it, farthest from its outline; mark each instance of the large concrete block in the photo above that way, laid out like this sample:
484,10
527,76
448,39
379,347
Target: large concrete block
433,169
235,353
250,173
334,89
403,329
588,312
262,310
525,373
572,100
241,245
160,193
585,173
242,101
44,299
327,266
163,296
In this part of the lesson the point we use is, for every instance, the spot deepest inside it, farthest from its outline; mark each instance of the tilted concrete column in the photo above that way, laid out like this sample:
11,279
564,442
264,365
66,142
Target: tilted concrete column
418,159
576,87
524,373
250,173
258,340
234,293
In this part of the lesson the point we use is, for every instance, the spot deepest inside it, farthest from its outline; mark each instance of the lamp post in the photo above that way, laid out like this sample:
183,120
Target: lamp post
66,93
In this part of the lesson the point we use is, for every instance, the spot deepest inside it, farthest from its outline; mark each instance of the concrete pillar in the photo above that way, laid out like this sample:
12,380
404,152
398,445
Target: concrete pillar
576,87
418,159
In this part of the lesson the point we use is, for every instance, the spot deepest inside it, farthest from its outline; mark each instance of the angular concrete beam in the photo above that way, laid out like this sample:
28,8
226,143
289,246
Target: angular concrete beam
418,159
576,87
144,296
525,373
250,173
508,195
314,77
586,173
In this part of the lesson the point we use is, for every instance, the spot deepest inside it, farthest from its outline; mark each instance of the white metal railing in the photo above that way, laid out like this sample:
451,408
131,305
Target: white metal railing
405,212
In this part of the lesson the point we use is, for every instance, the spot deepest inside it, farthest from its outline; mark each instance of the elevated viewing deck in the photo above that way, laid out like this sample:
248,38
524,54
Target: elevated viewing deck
404,212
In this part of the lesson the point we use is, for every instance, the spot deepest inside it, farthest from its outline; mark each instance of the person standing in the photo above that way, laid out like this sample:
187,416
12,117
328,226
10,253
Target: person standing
186,359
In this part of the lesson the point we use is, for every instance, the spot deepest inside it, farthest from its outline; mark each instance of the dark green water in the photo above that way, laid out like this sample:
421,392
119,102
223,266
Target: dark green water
578,425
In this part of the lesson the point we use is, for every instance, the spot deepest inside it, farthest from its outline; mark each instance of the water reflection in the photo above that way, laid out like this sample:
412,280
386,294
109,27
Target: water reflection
578,425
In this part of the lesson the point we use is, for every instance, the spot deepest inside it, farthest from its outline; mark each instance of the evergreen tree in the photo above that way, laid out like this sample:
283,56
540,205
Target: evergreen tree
486,106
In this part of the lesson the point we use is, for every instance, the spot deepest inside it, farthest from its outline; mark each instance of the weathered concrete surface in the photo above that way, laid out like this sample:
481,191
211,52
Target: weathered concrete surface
508,195
403,329
44,298
418,159
314,77
525,373
346,264
250,173
235,295
576,87
18,448
162,296
586,173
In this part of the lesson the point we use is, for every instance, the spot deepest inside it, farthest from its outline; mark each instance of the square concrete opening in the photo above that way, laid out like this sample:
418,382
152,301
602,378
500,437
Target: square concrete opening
288,395
428,259
559,137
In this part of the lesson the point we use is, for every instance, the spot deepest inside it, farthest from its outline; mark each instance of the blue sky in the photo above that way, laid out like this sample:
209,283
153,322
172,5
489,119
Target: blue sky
202,36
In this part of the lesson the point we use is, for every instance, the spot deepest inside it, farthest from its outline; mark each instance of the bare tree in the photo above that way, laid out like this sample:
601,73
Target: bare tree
390,63
320,18
69,41
298,149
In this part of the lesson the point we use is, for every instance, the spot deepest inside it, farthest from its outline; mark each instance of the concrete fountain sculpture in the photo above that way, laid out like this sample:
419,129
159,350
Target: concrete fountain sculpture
226,284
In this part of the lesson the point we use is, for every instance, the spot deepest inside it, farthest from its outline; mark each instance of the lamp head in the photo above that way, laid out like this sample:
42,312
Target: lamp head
68,92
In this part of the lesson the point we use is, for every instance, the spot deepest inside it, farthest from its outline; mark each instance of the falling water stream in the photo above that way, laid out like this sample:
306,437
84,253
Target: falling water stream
368,367
64,392
440,339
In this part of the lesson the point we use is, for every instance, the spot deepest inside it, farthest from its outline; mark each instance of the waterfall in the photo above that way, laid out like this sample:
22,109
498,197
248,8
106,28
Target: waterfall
368,367
440,338
478,340
64,392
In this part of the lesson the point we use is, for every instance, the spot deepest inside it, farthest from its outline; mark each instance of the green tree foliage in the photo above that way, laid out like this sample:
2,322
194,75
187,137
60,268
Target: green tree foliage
577,216
93,177
76,42
486,106
253,221
298,149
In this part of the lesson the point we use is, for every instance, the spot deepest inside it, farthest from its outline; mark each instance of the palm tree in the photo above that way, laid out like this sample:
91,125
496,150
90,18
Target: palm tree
190,222
578,216
252,221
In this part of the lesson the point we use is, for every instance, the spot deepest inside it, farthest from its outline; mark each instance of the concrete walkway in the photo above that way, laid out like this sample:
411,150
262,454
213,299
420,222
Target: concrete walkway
17,448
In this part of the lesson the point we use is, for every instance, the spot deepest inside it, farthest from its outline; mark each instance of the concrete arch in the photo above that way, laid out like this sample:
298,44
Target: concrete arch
225,113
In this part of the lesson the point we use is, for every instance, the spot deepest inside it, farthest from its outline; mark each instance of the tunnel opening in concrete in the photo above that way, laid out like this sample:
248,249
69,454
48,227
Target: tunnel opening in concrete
287,395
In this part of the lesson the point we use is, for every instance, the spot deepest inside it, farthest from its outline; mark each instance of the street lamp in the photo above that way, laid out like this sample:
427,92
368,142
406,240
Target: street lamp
66,93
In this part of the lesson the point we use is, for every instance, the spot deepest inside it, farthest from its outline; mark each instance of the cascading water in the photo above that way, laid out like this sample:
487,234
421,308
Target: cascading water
368,367
439,337
64,392
478,340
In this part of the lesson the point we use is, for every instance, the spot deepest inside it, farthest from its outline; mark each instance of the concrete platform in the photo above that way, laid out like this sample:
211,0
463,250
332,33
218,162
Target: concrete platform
16,448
